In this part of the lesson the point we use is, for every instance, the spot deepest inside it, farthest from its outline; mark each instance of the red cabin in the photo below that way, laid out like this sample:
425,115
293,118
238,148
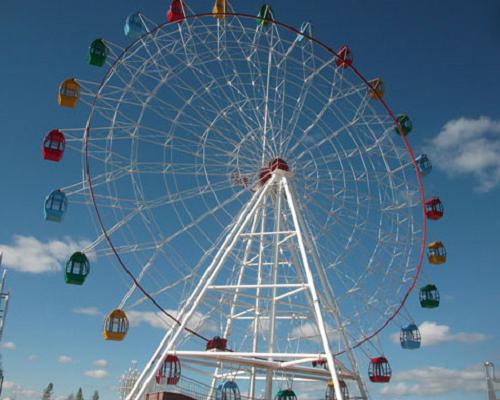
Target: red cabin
176,11
170,371
320,362
344,59
53,145
379,370
217,343
434,208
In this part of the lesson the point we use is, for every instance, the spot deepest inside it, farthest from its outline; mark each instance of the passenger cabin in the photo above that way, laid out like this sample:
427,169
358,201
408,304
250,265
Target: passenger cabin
116,325
429,296
176,12
344,59
69,93
228,390
376,90
77,269
134,26
98,52
54,144
409,337
265,16
56,205
379,370
285,394
405,123
424,165
170,371
436,253
219,9
332,395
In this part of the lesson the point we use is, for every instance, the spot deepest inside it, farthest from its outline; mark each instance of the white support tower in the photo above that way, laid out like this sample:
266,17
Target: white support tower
279,282
491,379
4,305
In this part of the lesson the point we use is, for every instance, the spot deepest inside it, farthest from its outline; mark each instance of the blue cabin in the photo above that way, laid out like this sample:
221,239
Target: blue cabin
410,337
424,165
228,390
56,205
134,26
306,28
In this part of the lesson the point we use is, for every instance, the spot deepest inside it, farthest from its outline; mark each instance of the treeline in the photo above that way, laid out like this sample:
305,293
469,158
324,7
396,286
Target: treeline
48,394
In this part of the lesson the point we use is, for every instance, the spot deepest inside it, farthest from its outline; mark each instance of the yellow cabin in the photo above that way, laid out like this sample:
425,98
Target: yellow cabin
219,9
69,93
436,253
116,325
376,91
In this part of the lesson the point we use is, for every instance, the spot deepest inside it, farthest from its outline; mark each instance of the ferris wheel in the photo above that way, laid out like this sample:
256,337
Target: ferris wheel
258,193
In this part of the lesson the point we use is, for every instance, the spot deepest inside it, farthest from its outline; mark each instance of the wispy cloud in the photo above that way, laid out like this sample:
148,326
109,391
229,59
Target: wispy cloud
91,311
19,392
431,381
28,254
64,360
434,334
33,357
101,363
158,320
467,146
96,373
8,345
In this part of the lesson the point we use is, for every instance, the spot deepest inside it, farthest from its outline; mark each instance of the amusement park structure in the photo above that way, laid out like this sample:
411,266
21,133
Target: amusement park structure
4,304
491,380
259,195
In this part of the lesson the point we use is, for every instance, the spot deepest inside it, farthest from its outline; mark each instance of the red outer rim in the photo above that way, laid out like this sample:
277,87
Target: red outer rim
331,51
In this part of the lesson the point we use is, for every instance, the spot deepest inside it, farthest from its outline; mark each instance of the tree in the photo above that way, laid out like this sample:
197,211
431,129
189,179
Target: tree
47,392
95,396
79,394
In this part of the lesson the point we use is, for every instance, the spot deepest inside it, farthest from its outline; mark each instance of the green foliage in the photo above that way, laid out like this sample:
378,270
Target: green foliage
47,392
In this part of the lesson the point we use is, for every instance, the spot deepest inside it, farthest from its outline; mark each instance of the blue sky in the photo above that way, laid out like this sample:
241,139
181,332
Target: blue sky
440,63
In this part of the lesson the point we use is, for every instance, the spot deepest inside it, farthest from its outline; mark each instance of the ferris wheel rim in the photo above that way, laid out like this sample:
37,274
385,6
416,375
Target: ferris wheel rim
328,49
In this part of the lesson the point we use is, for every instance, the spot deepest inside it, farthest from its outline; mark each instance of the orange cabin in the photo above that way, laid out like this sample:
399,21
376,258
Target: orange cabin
219,9
116,325
69,93
376,90
436,253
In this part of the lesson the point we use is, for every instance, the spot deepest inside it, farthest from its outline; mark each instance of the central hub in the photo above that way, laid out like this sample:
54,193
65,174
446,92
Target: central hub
266,172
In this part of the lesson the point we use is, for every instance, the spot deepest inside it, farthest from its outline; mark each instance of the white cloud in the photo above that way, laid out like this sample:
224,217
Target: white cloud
101,363
64,360
435,380
309,331
33,357
28,254
469,147
16,391
96,373
8,345
92,311
160,321
433,334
